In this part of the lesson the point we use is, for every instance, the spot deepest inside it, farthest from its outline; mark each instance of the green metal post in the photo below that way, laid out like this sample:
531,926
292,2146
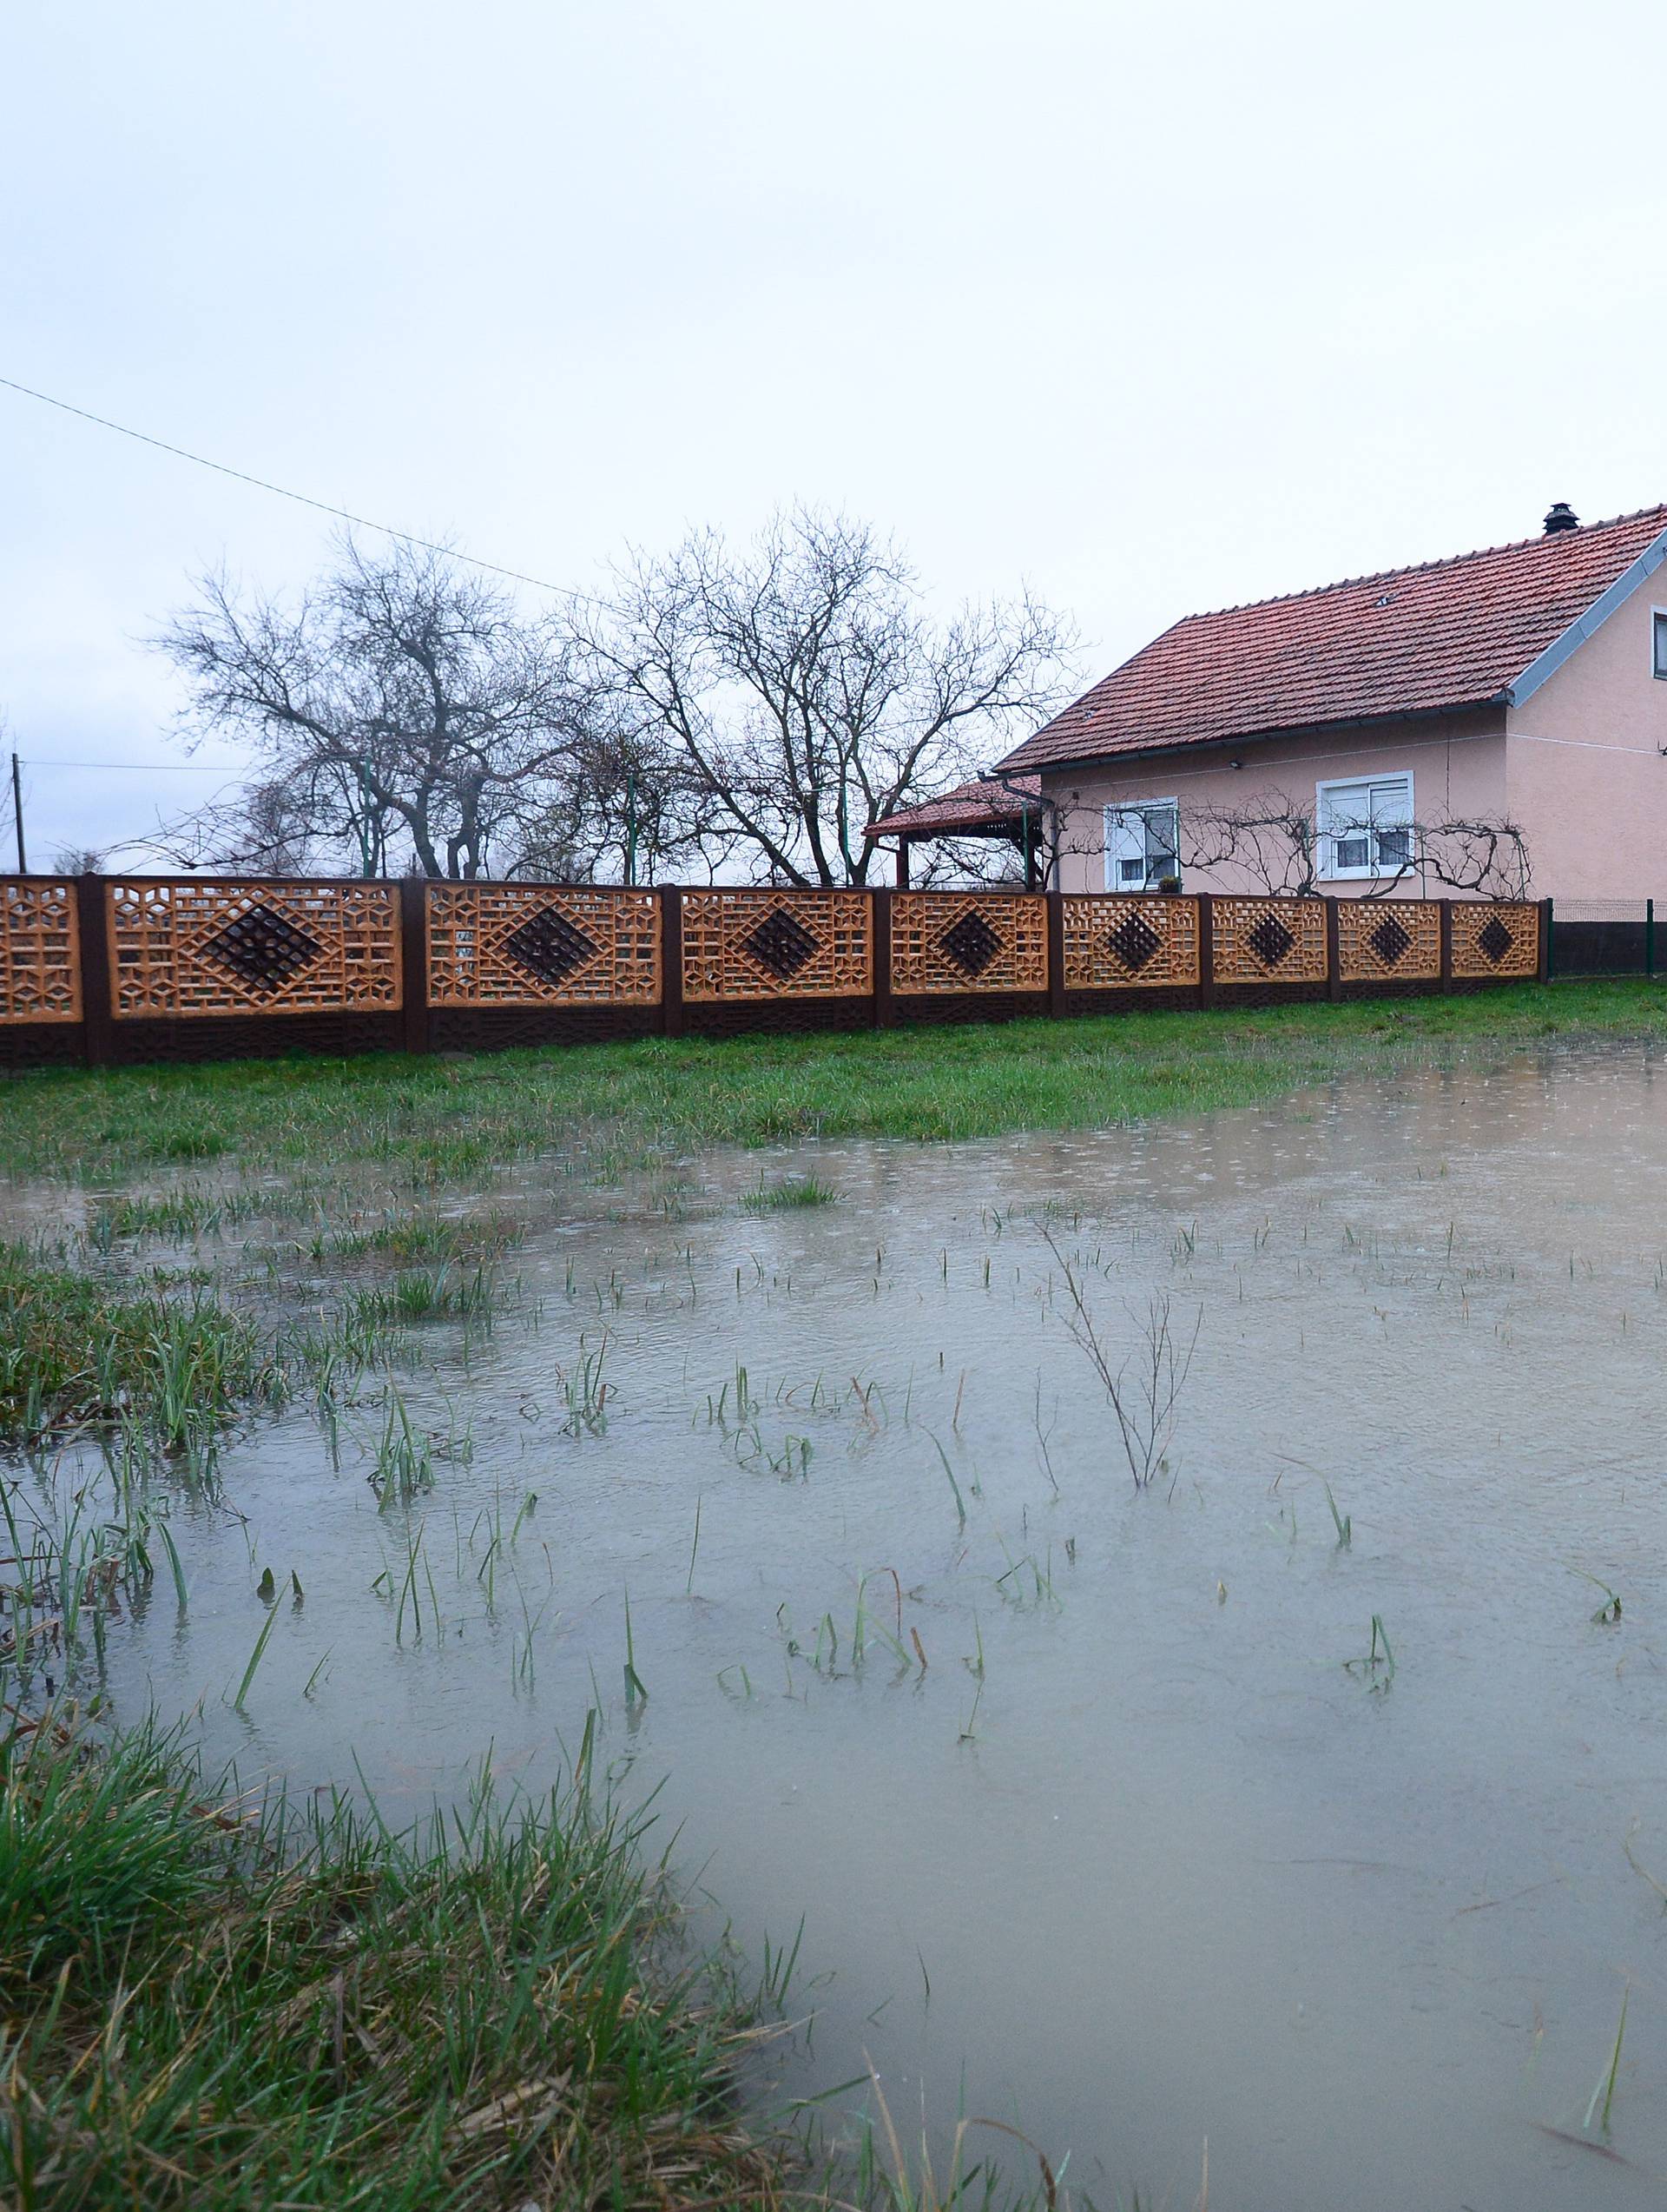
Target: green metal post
1648,936
1550,942
366,849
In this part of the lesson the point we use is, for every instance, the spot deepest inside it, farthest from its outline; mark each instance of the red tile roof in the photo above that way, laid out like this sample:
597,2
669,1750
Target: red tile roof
970,810
1449,635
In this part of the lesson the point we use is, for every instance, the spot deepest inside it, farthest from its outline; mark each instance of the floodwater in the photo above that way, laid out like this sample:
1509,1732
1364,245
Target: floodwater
1114,1827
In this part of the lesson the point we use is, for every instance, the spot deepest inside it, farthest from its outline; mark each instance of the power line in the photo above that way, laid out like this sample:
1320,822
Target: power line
148,767
242,476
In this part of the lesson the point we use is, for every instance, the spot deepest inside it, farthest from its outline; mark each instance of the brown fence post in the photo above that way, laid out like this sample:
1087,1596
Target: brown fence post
1055,953
1446,944
97,1005
1206,950
671,961
1543,964
880,949
414,960
1334,951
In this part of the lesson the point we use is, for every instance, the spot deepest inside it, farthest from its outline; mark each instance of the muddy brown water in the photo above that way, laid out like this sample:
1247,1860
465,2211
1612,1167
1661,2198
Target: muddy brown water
1168,1868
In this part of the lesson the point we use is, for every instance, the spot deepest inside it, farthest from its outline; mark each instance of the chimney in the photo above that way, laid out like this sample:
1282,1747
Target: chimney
1562,517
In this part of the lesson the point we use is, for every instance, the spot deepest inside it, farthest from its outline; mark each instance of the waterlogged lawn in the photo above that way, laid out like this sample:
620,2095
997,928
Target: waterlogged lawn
1135,1628
606,1107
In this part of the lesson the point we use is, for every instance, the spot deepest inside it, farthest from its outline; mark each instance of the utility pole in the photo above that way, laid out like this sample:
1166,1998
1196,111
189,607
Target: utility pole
630,829
17,812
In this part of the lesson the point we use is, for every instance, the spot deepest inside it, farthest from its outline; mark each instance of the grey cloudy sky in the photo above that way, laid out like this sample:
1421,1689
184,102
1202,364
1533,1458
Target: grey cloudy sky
1158,306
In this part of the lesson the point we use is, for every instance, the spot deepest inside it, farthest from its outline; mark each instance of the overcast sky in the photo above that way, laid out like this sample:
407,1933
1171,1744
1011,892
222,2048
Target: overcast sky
1159,308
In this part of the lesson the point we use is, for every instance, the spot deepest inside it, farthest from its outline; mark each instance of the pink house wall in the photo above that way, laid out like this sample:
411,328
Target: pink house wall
1585,773
1457,763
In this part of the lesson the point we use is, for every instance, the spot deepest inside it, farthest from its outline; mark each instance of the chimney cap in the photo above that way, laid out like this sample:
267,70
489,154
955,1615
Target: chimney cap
1560,517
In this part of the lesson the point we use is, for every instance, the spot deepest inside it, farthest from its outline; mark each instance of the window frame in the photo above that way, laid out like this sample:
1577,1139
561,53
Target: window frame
1658,644
1326,865
1143,807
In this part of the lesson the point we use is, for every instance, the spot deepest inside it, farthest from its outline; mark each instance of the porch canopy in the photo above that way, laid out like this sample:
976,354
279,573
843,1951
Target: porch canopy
1010,811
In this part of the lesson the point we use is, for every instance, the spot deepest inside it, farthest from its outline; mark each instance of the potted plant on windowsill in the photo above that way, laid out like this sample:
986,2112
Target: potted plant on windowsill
1168,885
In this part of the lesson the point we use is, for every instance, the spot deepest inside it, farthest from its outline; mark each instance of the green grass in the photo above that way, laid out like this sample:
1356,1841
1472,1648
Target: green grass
208,2007
786,1197
75,1349
599,1108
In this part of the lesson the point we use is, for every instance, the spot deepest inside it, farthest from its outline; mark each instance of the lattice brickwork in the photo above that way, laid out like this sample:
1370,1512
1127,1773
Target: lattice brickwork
1489,940
748,944
1377,941
968,941
1269,941
40,951
509,944
220,947
1114,942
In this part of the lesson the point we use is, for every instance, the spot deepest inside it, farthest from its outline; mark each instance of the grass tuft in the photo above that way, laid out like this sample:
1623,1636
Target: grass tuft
786,1197
75,1351
206,2009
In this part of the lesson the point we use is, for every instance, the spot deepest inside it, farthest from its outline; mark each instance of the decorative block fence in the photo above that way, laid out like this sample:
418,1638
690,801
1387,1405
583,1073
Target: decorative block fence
105,970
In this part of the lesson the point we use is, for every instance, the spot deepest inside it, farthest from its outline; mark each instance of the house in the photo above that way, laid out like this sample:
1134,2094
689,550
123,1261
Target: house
1426,729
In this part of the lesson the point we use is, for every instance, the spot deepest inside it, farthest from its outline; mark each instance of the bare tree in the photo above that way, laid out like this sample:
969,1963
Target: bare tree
789,693
403,710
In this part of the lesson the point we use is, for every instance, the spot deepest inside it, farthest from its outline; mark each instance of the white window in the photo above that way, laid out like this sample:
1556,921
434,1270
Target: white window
1365,828
1142,844
1658,640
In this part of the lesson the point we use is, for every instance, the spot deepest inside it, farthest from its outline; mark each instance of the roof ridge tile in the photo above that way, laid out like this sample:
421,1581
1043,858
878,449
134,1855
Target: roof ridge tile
1415,568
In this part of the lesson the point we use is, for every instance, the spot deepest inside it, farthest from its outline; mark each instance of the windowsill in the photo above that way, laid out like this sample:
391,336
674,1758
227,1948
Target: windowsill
1368,875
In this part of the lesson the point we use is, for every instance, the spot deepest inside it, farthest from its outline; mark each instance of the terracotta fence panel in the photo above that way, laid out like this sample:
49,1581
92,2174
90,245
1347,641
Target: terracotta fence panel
1116,941
200,946
511,944
1379,942
1494,939
40,950
768,944
968,941
1269,941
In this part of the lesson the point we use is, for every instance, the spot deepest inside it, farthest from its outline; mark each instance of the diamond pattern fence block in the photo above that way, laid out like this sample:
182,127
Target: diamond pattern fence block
262,950
1495,940
1377,941
776,944
208,946
1269,941
534,944
40,950
968,941
1117,943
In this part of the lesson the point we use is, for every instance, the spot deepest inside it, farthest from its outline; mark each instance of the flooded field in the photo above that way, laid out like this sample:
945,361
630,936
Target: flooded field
1280,1766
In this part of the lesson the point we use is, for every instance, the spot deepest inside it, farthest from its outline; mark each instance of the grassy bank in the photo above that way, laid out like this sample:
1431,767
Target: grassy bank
208,2007
445,1119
